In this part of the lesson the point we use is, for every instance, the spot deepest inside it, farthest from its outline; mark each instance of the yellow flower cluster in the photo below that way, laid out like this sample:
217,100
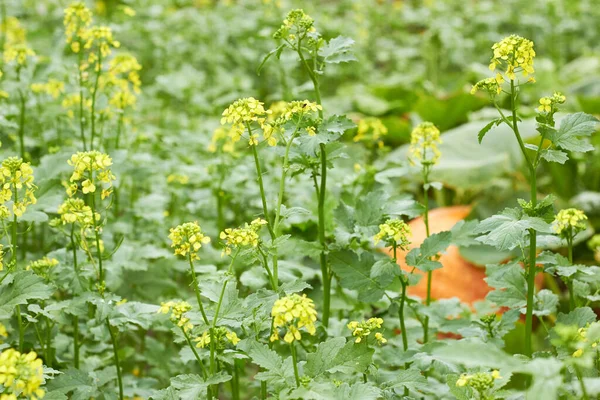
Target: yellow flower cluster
16,175
424,141
21,375
187,239
71,102
102,38
222,336
295,26
480,381
582,337
3,332
91,168
548,104
569,222
362,330
292,313
242,113
243,236
19,53
178,309
52,88
178,178
77,18
75,210
124,78
42,266
15,33
515,54
223,139
370,130
294,110
492,86
394,231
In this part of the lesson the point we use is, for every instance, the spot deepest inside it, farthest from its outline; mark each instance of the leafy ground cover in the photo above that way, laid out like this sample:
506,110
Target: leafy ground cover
352,200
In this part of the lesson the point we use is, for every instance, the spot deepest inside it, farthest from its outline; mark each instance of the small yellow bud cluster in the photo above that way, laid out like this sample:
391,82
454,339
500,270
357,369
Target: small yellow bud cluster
295,26
492,86
243,236
75,210
569,222
77,18
362,330
19,53
102,38
241,114
515,54
548,104
21,375
16,175
178,178
424,140
292,313
222,337
178,309
394,231
480,381
91,168
42,267
3,333
294,110
371,130
124,78
188,239
583,340
52,88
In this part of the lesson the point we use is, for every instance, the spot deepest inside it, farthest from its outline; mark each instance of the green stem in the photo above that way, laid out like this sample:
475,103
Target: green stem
581,383
81,115
22,124
116,355
402,301
197,290
426,222
76,341
284,168
295,363
13,239
97,236
193,348
94,93
21,328
325,273
119,129
572,301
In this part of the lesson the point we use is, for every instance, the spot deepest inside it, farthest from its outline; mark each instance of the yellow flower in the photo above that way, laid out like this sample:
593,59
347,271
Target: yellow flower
75,210
424,141
18,52
243,236
52,88
77,18
292,313
492,86
548,104
394,231
91,168
515,54
188,239
41,267
569,222
462,381
578,353
16,180
362,330
3,332
21,374
233,338
178,310
203,341
295,25
370,130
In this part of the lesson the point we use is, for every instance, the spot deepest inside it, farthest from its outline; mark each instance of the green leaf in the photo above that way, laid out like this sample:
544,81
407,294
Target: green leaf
74,381
557,156
22,287
573,129
421,257
354,273
338,50
193,387
322,359
580,317
509,284
352,358
545,303
487,128
459,392
329,130
509,229
276,51
474,354
411,379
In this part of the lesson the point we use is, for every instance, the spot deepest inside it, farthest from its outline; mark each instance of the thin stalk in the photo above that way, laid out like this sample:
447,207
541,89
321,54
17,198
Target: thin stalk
81,115
401,307
13,239
22,124
326,275
119,129
21,328
429,273
94,93
76,341
572,302
581,383
116,355
197,289
96,235
193,348
295,363
284,168
261,187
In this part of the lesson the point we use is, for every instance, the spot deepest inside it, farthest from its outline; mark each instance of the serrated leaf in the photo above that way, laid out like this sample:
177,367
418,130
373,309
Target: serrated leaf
276,51
74,381
509,229
421,257
509,284
580,317
487,128
193,387
338,50
24,286
545,303
322,359
573,129
557,156
354,273
411,379
352,358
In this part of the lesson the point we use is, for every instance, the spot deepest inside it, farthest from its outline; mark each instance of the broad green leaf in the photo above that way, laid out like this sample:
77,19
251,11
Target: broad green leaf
411,379
545,303
573,129
322,359
509,284
352,358
421,257
580,317
473,354
509,229
22,287
355,274
193,387
79,383
557,156
337,50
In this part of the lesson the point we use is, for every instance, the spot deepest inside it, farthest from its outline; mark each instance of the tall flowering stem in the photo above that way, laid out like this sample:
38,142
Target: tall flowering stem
424,151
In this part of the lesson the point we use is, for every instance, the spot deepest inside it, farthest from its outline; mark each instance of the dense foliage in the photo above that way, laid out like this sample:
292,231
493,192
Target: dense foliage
237,200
